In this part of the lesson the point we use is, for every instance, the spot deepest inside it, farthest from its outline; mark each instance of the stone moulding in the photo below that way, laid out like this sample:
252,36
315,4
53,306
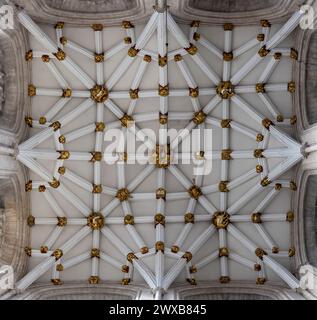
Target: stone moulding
298,229
278,12
270,292
42,11
303,42
16,231
12,43
75,290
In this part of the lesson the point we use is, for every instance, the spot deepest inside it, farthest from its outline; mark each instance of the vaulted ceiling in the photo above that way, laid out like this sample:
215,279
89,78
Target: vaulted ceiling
160,224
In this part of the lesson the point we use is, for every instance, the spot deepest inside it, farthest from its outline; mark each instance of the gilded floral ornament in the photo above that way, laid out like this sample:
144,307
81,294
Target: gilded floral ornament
159,219
163,119
193,269
224,279
260,88
129,220
290,216
56,282
96,156
258,153
294,54
175,249
54,184
99,93
42,120
99,57
267,123
195,24
260,37
60,55
225,90
162,61
31,221
256,218
228,27
194,92
223,186
29,55
63,41
159,246
56,125
260,253
223,252
64,155
221,220
28,251
62,139
189,218
260,281
133,52
96,221
31,90
44,249
293,185
61,221
192,281
125,269
127,40
67,93
195,192
125,281
93,280
46,58
178,57
95,253
134,94
164,91
291,87
58,253
161,194
199,117
147,58
192,49
97,189
263,52
188,256
29,121
226,155
123,195
28,186
196,36
127,121
100,127
42,188
265,182
59,25
97,27
226,123
62,170
291,252
127,25
131,256
259,169
227,56
259,137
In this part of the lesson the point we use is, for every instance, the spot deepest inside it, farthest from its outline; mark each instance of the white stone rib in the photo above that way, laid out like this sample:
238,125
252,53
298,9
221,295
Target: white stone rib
45,265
